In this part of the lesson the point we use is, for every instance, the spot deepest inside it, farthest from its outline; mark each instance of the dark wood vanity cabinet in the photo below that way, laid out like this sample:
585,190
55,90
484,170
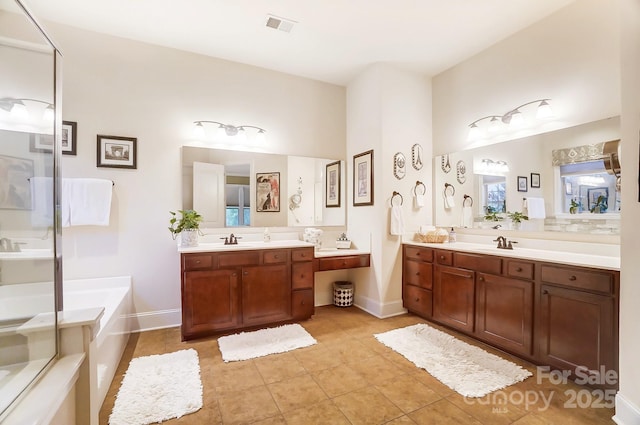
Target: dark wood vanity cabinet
226,291
562,316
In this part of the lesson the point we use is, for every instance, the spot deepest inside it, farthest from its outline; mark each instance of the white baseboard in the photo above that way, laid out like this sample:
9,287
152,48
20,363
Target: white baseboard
626,412
159,319
377,309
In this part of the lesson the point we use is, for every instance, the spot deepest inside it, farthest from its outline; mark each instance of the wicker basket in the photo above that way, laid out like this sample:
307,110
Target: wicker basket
431,237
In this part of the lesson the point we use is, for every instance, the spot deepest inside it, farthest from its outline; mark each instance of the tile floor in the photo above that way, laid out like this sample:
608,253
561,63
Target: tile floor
351,378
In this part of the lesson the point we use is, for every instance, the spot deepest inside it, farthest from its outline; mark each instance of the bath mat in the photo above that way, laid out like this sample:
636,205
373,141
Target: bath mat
158,388
248,345
466,369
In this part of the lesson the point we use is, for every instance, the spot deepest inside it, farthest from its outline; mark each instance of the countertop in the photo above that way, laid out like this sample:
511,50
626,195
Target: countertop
560,257
275,244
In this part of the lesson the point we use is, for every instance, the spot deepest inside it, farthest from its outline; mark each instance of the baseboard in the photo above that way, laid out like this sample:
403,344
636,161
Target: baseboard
626,412
377,309
159,319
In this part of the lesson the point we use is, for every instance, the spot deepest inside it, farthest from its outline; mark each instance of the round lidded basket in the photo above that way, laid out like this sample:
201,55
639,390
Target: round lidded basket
343,294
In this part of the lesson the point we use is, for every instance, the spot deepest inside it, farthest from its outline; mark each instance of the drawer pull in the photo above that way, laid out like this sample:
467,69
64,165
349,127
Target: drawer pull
545,292
417,273
417,299
481,279
442,257
572,277
245,273
518,269
418,254
344,263
275,256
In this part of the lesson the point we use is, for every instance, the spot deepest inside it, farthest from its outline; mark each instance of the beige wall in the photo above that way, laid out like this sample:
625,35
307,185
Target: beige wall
120,87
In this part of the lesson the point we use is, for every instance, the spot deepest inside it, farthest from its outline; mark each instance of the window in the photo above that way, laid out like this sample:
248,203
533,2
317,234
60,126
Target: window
587,187
494,190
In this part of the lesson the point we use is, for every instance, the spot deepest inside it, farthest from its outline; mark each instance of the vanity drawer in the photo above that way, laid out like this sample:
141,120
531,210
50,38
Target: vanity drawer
478,263
418,274
578,278
420,254
418,300
239,258
305,254
444,257
520,269
345,262
302,275
196,261
275,256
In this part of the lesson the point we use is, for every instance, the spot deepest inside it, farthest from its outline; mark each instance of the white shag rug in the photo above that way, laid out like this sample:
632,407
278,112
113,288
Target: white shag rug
248,345
158,388
466,369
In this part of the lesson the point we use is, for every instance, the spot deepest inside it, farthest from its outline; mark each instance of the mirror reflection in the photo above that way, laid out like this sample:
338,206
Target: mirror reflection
564,181
236,188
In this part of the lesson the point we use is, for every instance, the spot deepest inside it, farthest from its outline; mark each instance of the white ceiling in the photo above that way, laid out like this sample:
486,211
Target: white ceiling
333,41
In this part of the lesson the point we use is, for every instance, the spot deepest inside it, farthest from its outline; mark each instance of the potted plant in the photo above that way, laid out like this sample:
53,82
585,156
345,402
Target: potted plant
575,205
188,226
600,206
516,218
492,214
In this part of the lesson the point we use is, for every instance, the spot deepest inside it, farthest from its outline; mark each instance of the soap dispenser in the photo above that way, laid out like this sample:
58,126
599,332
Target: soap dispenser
267,235
452,235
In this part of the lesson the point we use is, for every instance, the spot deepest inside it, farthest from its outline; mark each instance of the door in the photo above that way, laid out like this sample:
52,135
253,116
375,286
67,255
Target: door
208,193
266,294
453,297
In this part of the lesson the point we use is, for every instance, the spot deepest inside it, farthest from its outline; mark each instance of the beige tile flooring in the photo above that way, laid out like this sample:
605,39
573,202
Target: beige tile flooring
351,378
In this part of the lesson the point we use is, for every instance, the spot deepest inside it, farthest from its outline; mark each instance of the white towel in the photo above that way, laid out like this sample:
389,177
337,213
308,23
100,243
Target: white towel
418,201
89,201
41,201
467,217
449,202
65,195
535,207
397,220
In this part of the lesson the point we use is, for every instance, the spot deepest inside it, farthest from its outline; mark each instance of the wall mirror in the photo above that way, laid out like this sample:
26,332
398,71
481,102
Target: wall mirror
253,189
566,191
29,278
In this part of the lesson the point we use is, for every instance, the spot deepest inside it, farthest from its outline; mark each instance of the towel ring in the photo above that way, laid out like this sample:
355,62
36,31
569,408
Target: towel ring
394,195
447,186
469,198
415,188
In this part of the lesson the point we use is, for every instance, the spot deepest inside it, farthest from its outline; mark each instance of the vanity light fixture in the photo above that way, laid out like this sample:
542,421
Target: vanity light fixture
228,130
493,168
512,118
17,108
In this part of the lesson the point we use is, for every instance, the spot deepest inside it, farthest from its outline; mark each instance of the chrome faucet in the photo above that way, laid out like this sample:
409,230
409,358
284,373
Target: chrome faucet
503,243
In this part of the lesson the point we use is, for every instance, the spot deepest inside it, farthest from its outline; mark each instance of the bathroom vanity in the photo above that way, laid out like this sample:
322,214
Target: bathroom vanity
230,288
539,308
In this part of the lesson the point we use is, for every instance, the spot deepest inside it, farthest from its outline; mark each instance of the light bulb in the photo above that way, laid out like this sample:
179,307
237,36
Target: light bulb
19,111
198,131
261,137
494,125
221,133
242,135
544,110
48,114
474,132
516,119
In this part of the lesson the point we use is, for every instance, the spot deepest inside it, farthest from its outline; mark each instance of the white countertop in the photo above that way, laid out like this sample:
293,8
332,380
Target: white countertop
244,246
560,257
335,252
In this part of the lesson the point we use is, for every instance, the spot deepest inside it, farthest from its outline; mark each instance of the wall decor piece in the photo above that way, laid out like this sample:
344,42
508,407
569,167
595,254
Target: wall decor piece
69,137
446,165
535,180
15,188
363,179
40,142
416,156
116,152
461,171
268,192
332,176
522,184
399,165
597,193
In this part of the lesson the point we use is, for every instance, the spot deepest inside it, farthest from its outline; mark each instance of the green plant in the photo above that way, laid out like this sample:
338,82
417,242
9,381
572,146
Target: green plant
189,219
493,216
600,206
517,216
575,205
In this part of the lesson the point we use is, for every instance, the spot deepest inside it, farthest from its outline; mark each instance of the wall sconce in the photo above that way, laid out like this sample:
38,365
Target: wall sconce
18,110
513,118
492,168
229,130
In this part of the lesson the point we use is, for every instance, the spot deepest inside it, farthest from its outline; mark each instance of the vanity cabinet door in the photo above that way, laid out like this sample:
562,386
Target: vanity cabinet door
302,304
577,329
266,294
454,297
504,312
210,302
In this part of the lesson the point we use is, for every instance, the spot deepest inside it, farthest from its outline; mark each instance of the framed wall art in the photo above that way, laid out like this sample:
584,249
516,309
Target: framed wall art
116,152
69,137
363,179
332,176
522,184
535,180
40,142
268,192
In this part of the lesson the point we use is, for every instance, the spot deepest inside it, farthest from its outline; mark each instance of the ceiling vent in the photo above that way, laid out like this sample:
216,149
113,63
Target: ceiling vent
278,23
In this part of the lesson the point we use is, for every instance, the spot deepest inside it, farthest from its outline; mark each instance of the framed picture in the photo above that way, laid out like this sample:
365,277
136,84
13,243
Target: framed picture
593,193
116,152
332,176
522,184
268,192
40,142
69,137
535,180
363,179
15,187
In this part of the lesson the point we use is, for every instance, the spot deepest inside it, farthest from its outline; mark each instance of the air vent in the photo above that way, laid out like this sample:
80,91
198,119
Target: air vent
278,23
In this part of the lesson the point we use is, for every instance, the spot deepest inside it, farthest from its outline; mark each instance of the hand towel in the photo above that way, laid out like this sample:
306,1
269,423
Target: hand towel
535,208
41,201
397,220
65,196
467,217
449,202
418,201
89,202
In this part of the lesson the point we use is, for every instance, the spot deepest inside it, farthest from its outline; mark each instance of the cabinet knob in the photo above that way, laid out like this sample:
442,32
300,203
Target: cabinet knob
518,269
572,277
234,275
344,263
481,279
442,257
545,292
275,256
417,299
418,254
245,273
417,273
197,261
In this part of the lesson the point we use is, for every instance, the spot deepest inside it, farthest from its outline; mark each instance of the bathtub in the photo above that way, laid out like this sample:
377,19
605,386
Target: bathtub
20,302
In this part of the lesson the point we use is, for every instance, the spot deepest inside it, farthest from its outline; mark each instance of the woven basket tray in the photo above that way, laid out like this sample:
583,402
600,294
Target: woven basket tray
431,237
